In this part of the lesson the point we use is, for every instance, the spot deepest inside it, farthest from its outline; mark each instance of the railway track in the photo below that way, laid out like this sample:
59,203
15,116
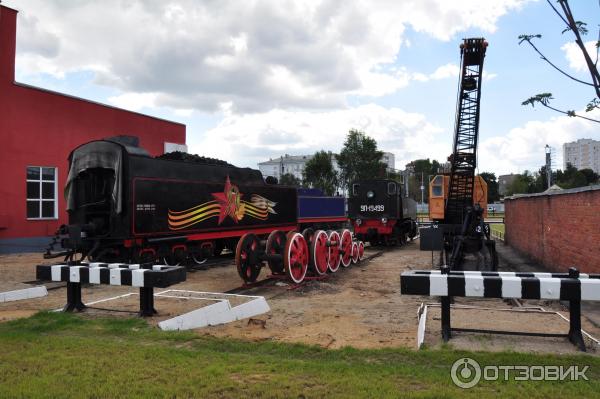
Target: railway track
270,281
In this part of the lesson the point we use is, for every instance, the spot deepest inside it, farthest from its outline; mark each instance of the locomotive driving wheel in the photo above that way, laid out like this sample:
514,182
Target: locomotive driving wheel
295,259
246,257
308,235
319,253
276,246
198,257
354,252
334,251
346,248
147,255
361,250
176,256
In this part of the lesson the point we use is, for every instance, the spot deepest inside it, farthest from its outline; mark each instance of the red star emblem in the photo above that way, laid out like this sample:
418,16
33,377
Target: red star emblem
229,200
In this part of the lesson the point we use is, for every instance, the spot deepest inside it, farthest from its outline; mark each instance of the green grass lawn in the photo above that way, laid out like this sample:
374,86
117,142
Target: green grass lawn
60,355
497,227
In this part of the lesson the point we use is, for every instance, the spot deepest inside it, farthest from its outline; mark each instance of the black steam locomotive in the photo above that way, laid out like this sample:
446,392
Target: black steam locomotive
380,214
125,205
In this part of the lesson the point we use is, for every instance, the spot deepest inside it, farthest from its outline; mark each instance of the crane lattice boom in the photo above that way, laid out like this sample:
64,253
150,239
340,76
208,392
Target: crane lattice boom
464,155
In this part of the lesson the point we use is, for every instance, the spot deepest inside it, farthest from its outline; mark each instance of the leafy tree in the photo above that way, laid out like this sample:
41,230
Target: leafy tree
414,188
590,176
536,182
492,186
425,166
522,184
288,179
319,173
435,167
540,181
578,29
359,158
571,177
424,169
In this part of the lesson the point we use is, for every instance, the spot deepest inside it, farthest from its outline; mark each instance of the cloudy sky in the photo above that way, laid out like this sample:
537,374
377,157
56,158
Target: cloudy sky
258,79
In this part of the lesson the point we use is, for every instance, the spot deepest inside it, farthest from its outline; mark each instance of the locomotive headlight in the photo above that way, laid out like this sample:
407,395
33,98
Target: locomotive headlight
384,220
370,194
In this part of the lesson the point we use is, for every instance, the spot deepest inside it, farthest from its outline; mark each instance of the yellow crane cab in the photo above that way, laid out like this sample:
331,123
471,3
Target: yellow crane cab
438,194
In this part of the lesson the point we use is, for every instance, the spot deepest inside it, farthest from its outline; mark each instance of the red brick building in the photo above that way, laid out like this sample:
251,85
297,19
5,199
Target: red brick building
559,228
38,130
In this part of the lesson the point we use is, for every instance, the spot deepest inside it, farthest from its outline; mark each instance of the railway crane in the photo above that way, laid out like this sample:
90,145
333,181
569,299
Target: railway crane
458,200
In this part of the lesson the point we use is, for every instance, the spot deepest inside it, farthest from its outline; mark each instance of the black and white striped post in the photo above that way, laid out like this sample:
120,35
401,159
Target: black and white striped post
143,276
573,287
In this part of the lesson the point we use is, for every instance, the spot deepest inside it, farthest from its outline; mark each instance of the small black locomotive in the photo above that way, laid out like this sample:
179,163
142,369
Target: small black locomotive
380,214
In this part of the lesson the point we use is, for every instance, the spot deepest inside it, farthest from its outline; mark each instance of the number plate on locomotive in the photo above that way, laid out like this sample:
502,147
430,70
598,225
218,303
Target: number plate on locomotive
372,208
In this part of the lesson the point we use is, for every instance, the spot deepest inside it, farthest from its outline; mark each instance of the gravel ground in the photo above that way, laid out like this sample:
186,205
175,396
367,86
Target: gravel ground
360,306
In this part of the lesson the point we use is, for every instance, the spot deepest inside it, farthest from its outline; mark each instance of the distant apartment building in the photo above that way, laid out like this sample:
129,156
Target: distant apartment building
582,154
295,164
288,164
390,160
504,182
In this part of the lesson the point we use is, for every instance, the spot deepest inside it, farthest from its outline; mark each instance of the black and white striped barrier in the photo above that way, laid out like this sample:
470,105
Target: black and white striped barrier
573,287
144,276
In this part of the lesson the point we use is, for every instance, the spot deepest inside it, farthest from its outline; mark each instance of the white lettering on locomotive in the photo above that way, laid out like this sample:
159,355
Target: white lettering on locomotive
372,208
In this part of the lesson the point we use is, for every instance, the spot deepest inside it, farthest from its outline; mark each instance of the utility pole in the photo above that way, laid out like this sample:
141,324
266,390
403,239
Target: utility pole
422,189
548,165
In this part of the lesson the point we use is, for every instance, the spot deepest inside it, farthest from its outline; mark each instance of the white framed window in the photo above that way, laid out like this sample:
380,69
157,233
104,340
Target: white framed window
42,198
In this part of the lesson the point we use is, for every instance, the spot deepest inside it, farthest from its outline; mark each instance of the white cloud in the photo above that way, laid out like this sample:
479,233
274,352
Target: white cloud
489,75
446,71
257,55
575,57
134,101
249,139
252,138
523,147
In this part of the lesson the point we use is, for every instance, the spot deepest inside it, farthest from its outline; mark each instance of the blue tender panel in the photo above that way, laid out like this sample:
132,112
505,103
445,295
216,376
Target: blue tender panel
320,206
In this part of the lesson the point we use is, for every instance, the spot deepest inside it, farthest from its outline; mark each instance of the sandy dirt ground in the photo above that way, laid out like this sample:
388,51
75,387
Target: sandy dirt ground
360,306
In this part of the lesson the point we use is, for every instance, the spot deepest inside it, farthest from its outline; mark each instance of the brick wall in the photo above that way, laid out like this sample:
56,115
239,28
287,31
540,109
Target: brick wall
558,230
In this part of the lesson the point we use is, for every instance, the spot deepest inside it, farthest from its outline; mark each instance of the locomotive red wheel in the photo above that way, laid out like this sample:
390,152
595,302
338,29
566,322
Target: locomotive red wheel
361,250
290,234
334,251
295,259
346,247
354,252
276,246
319,253
246,258
308,235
